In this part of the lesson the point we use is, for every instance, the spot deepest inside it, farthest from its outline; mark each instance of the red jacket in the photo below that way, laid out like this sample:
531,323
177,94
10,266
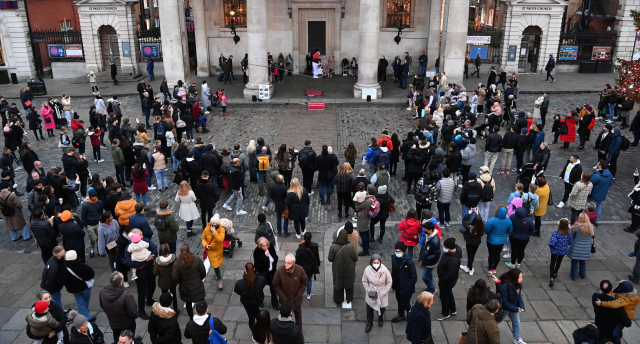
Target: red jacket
140,183
387,138
196,111
410,229
95,138
571,124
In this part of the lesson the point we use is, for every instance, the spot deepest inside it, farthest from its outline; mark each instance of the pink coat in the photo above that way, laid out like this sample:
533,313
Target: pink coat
47,112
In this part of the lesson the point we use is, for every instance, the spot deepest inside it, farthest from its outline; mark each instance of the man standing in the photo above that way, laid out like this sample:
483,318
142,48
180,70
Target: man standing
551,64
307,162
141,88
14,220
509,143
140,222
211,164
235,184
119,305
221,61
147,104
606,319
382,69
118,161
492,148
197,329
290,281
448,277
207,193
544,108
482,323
114,72
91,211
603,142
50,275
146,281
601,180
282,328
404,278
278,193
467,60
423,64
150,68
230,60
478,62
571,173
262,161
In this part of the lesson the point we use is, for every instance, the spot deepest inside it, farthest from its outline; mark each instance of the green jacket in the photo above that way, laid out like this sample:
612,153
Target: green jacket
343,255
170,233
80,134
163,270
118,156
270,179
545,104
383,179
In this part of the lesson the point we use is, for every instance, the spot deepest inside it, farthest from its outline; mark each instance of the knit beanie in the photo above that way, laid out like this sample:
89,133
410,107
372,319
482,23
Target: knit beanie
472,175
166,299
41,307
450,243
401,246
348,227
79,320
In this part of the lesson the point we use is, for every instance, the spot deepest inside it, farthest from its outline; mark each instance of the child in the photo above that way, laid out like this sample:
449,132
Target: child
625,297
223,103
94,134
591,212
518,193
174,147
556,128
587,334
139,251
411,97
42,322
474,102
325,69
560,241
360,195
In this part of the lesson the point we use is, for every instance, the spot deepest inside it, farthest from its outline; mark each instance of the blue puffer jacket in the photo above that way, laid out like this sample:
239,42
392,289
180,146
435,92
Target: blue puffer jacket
601,181
498,228
538,140
408,276
522,225
616,142
430,252
372,150
560,243
512,297
580,248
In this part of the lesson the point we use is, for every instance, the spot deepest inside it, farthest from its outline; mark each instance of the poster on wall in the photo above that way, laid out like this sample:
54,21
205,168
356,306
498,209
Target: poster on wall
478,39
263,92
126,49
73,50
513,49
636,48
568,53
601,53
150,50
56,50
474,50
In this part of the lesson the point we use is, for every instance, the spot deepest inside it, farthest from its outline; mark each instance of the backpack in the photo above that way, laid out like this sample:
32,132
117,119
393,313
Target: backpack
384,158
440,168
8,209
224,168
214,336
263,162
303,158
527,205
592,124
625,143
161,131
487,191
424,194
375,207
160,223
474,197
75,142
268,233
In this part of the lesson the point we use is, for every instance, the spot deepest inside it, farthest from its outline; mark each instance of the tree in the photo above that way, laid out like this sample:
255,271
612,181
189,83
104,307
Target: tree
628,79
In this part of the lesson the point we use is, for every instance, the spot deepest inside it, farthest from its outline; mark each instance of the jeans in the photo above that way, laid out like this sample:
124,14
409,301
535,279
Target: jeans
328,186
67,115
167,96
238,196
483,209
82,301
365,241
25,234
617,333
447,299
504,88
574,268
96,153
189,224
515,324
427,278
423,67
403,81
465,211
556,260
598,207
582,141
161,178
57,298
172,246
147,114
309,286
176,163
150,74
150,176
344,199
144,198
262,176
443,212
189,134
612,111
307,179
552,79
613,164
279,223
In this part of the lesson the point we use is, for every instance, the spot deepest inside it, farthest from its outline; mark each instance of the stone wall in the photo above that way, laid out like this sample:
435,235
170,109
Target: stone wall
15,43
68,70
626,29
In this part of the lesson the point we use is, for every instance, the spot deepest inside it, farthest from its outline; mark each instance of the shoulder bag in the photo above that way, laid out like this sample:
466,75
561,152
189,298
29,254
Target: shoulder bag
373,294
89,283
550,201
392,207
204,250
285,213
462,337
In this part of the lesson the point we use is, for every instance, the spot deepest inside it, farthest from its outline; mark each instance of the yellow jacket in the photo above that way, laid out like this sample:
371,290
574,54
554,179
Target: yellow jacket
543,194
215,253
144,136
628,301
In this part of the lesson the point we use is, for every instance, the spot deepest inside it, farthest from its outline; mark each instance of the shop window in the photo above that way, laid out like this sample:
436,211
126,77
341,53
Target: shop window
398,13
490,17
155,3
235,12
148,23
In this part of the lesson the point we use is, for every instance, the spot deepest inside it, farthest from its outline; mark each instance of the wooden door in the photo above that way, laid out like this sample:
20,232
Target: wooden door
109,46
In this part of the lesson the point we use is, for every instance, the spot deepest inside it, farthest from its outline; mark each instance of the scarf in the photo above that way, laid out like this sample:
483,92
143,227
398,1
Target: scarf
199,319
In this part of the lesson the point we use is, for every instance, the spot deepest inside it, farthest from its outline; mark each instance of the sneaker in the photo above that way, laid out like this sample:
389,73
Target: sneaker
126,284
354,219
409,108
505,249
152,188
595,167
507,171
609,122
471,272
501,171
509,265
459,185
507,255
18,168
134,277
298,236
303,232
94,160
308,296
631,255
486,268
264,207
101,160
226,206
561,204
241,212
518,341
311,193
454,313
446,224
442,317
464,268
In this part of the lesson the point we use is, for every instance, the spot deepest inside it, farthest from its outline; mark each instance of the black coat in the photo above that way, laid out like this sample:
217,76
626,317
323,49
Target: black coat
418,324
603,144
298,208
76,337
44,233
278,193
327,167
211,163
574,175
28,160
510,140
449,266
407,143
285,332
384,199
70,166
308,258
255,298
207,193
606,319
583,125
163,328
73,235
72,283
261,263
200,334
417,159
454,159
50,275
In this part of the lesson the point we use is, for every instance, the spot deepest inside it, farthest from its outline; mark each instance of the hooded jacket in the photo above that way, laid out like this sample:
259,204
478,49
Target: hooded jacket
498,227
344,257
483,324
72,234
448,267
616,142
163,268
170,232
285,331
163,326
470,195
119,305
181,152
41,324
601,181
522,225
107,232
197,329
468,154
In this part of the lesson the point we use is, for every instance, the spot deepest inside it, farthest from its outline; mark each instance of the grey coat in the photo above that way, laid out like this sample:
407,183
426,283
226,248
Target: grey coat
363,215
343,255
580,248
271,177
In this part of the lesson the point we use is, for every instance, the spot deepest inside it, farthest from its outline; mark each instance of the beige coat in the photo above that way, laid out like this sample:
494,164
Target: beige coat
379,281
188,209
15,222
536,110
578,195
481,94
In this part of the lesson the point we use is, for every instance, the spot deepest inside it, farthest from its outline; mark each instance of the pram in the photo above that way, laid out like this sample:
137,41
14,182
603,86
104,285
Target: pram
229,243
528,172
345,67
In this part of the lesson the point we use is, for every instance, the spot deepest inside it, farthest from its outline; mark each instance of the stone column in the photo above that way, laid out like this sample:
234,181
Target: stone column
257,47
455,44
202,43
368,42
433,42
175,52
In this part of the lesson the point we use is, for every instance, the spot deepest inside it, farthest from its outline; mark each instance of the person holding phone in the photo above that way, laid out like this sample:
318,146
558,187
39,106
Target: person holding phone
512,302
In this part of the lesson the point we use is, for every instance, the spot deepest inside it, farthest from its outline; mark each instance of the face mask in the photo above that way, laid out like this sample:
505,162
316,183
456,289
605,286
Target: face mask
446,250
399,255
376,266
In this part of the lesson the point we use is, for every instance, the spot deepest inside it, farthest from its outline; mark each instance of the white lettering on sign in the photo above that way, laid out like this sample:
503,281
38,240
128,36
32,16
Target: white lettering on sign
531,8
102,8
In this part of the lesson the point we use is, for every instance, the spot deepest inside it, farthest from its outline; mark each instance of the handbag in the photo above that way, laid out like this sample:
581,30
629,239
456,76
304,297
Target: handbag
204,250
373,294
47,119
392,207
550,201
462,337
89,283
112,245
28,103
285,213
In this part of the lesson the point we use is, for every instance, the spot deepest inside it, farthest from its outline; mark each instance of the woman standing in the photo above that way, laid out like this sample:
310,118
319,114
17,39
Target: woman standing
160,168
376,280
285,164
250,288
298,201
544,192
308,256
49,121
260,330
570,136
35,122
560,240
344,183
212,238
579,251
108,232
163,268
578,196
395,154
419,323
519,237
410,229
480,293
265,261
498,229
512,302
351,153
28,156
327,166
188,210
251,154
188,272
140,188
473,232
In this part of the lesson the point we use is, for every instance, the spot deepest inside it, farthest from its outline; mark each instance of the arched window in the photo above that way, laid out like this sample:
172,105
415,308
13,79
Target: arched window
398,13
235,13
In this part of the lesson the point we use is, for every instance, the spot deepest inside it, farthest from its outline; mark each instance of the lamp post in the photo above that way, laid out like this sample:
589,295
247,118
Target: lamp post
232,13
401,12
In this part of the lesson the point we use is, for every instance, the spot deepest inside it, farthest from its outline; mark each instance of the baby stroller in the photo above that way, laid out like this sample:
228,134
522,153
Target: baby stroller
527,174
345,67
229,242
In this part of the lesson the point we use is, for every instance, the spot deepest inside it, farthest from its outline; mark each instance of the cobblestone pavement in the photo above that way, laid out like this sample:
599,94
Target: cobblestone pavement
551,314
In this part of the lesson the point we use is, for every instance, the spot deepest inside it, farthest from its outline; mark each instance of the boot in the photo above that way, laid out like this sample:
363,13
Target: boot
220,284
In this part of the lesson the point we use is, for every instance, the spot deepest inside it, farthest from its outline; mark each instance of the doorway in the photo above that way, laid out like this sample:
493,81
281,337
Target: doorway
529,50
109,46
316,30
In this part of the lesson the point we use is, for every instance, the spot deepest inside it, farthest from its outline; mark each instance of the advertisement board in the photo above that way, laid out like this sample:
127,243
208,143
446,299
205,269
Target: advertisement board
474,50
601,53
56,50
568,53
74,50
150,50
478,39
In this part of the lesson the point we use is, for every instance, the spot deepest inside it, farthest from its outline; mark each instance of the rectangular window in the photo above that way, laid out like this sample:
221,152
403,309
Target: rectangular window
490,17
157,22
65,25
148,23
145,3
398,13
235,12
155,3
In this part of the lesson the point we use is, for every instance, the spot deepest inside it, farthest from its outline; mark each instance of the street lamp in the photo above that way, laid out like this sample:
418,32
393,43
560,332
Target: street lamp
232,12
401,12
